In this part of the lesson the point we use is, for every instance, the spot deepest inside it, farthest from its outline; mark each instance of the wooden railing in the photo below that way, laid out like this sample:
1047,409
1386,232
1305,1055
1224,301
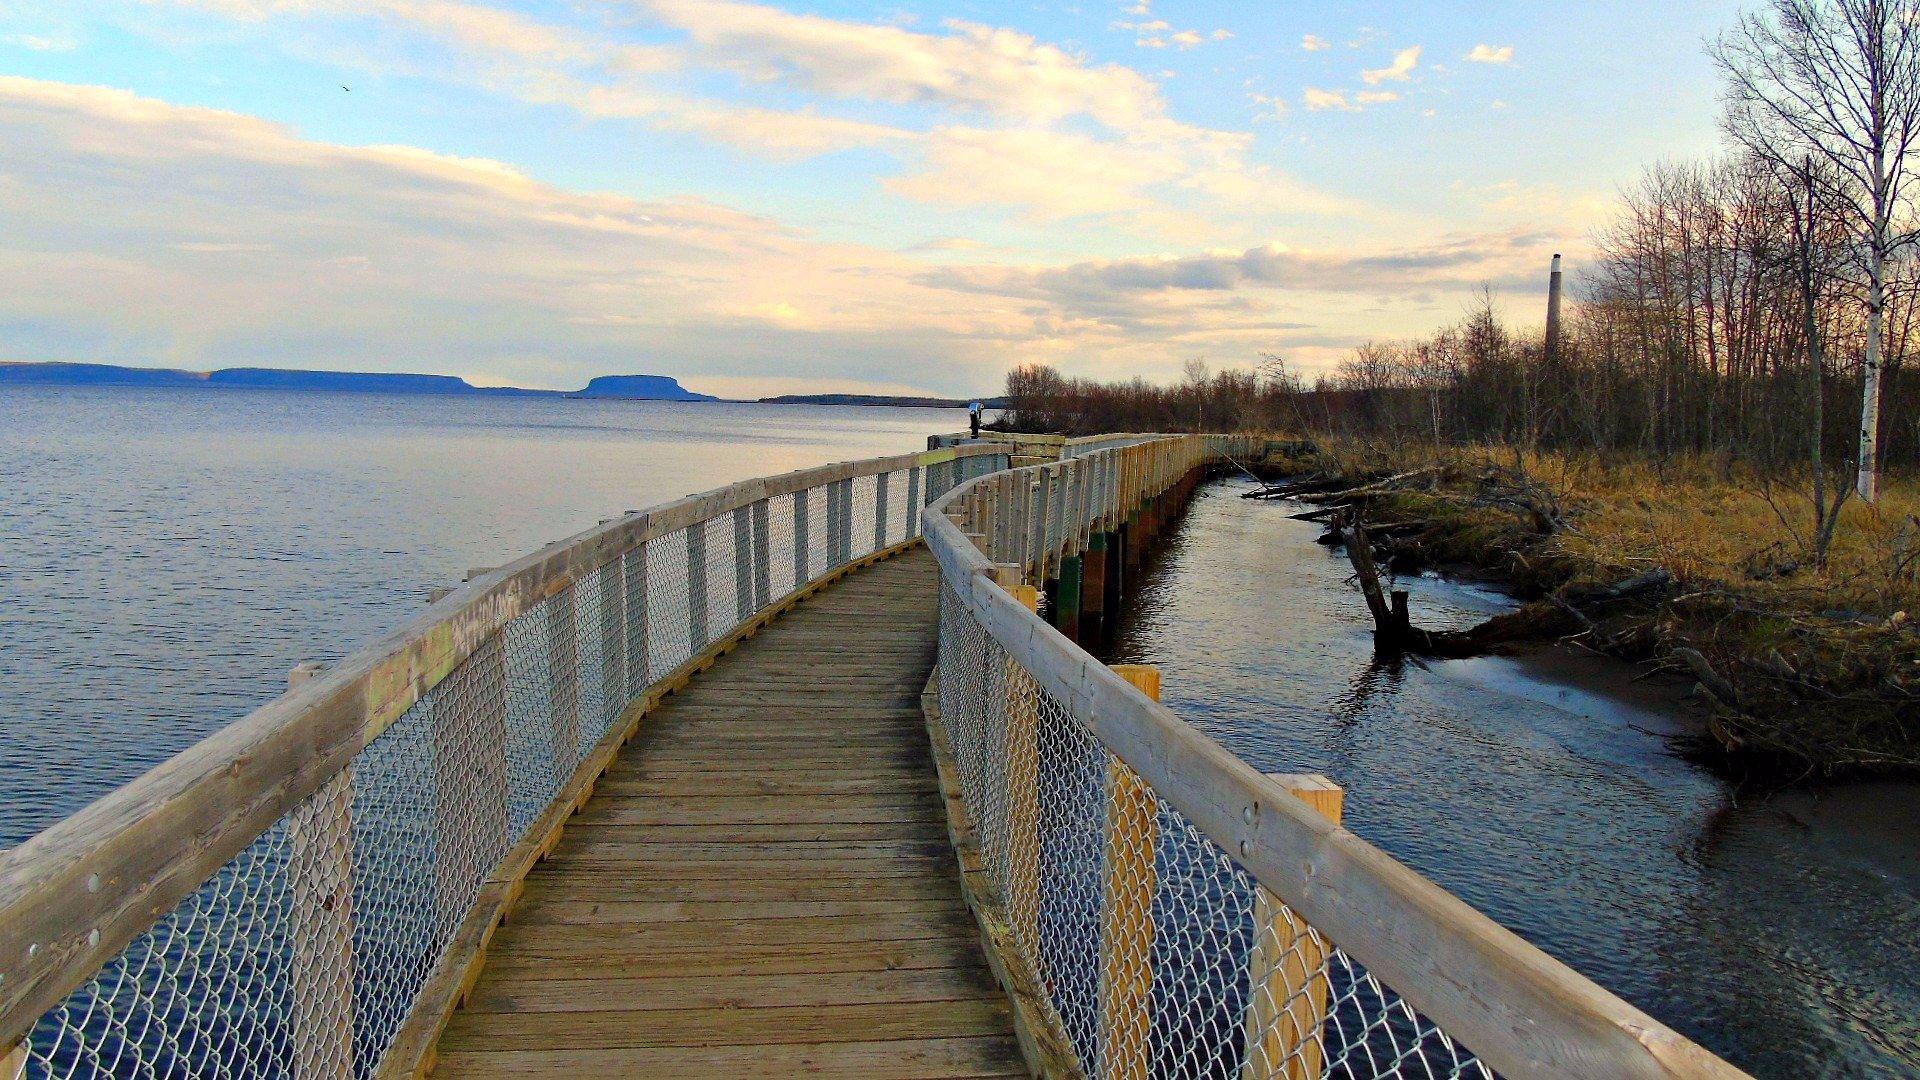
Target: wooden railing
297,894
1163,908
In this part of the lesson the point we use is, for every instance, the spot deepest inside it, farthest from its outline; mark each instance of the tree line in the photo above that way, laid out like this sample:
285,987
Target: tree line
1761,306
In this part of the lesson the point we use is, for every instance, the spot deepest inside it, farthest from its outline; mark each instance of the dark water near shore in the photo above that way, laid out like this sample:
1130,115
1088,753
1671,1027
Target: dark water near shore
1782,931
167,555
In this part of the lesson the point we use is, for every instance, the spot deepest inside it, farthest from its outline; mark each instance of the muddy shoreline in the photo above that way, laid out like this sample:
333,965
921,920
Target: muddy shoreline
1785,696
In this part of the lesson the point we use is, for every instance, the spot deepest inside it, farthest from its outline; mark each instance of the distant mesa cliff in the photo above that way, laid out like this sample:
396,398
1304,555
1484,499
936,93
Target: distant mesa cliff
648,387
641,387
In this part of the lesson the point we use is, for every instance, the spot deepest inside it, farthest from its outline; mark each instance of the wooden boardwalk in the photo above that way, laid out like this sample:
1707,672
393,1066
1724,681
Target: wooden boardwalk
762,884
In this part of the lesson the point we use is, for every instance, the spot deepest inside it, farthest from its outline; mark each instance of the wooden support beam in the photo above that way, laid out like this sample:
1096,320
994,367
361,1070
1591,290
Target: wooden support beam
1126,916
13,1063
1287,1009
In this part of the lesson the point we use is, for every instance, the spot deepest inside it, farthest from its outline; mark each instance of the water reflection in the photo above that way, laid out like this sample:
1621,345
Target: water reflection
167,555
1783,931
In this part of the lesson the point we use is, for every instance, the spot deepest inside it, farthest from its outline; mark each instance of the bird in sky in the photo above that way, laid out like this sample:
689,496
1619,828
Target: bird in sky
348,89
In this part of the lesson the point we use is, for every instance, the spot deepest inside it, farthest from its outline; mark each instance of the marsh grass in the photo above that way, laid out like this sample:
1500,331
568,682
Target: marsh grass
1820,663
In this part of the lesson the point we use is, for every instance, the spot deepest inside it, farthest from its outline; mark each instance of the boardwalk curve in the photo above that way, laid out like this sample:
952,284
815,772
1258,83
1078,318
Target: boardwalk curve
761,884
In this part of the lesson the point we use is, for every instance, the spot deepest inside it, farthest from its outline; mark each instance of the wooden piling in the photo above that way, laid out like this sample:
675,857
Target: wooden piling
1126,917
1093,589
1067,600
1288,968
1116,575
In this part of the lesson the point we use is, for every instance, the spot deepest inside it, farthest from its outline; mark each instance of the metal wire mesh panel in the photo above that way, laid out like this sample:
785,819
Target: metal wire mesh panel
304,955
1160,954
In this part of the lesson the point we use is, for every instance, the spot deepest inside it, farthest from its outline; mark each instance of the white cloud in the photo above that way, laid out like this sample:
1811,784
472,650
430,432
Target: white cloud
1400,70
144,232
998,71
981,87
141,231
1318,100
1315,43
1051,174
42,42
1271,106
1488,54
1221,35
1376,97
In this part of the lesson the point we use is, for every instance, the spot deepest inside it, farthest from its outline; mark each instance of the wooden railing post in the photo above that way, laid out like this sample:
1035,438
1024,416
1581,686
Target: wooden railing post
914,502
802,572
743,606
1287,973
13,1062
563,672
1126,916
763,555
696,586
880,511
843,554
613,636
1023,793
832,493
1031,531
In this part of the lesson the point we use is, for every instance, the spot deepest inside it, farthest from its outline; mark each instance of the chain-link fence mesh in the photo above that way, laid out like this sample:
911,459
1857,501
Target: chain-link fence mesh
1161,956
303,956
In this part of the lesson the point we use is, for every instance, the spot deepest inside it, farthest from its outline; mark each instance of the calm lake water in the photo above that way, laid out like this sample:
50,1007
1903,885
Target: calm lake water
1782,932
167,555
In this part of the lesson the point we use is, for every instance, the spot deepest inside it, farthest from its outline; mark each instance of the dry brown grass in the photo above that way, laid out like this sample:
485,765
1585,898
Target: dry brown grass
1820,658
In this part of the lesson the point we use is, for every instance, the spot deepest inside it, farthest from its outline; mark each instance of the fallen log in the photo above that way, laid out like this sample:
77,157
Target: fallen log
1375,488
1294,488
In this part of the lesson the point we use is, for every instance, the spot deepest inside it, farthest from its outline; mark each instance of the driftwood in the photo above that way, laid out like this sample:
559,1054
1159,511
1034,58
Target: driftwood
1298,487
1360,554
1363,491
1393,628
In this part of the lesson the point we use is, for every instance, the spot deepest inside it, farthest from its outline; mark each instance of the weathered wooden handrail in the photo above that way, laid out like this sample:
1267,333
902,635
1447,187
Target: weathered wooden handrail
75,896
1521,1012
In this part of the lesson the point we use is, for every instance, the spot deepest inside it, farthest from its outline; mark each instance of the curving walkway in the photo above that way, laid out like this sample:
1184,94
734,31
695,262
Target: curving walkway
762,884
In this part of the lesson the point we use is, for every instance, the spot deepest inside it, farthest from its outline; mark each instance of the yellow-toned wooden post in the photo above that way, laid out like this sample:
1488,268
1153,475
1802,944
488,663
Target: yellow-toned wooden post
1023,790
1288,970
1126,917
13,1062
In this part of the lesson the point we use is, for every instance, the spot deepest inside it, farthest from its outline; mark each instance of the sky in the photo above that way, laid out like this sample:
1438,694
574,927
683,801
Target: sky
835,196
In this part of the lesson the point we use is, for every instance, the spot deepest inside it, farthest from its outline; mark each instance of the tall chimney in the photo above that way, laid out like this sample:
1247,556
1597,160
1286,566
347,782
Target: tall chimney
1553,311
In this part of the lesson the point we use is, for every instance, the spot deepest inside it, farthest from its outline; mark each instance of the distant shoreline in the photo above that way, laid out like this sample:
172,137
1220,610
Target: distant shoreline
600,388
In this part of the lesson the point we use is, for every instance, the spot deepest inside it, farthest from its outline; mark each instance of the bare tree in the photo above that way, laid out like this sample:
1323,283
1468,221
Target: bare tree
1810,255
1839,79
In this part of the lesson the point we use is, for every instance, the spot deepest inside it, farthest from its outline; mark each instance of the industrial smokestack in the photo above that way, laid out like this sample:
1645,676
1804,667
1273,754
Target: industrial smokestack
1553,311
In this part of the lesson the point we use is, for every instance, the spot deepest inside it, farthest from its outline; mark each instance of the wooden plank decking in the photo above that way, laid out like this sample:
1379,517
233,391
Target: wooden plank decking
762,883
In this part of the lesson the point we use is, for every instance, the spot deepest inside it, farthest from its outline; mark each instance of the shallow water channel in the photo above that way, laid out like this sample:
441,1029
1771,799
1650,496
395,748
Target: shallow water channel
1781,930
